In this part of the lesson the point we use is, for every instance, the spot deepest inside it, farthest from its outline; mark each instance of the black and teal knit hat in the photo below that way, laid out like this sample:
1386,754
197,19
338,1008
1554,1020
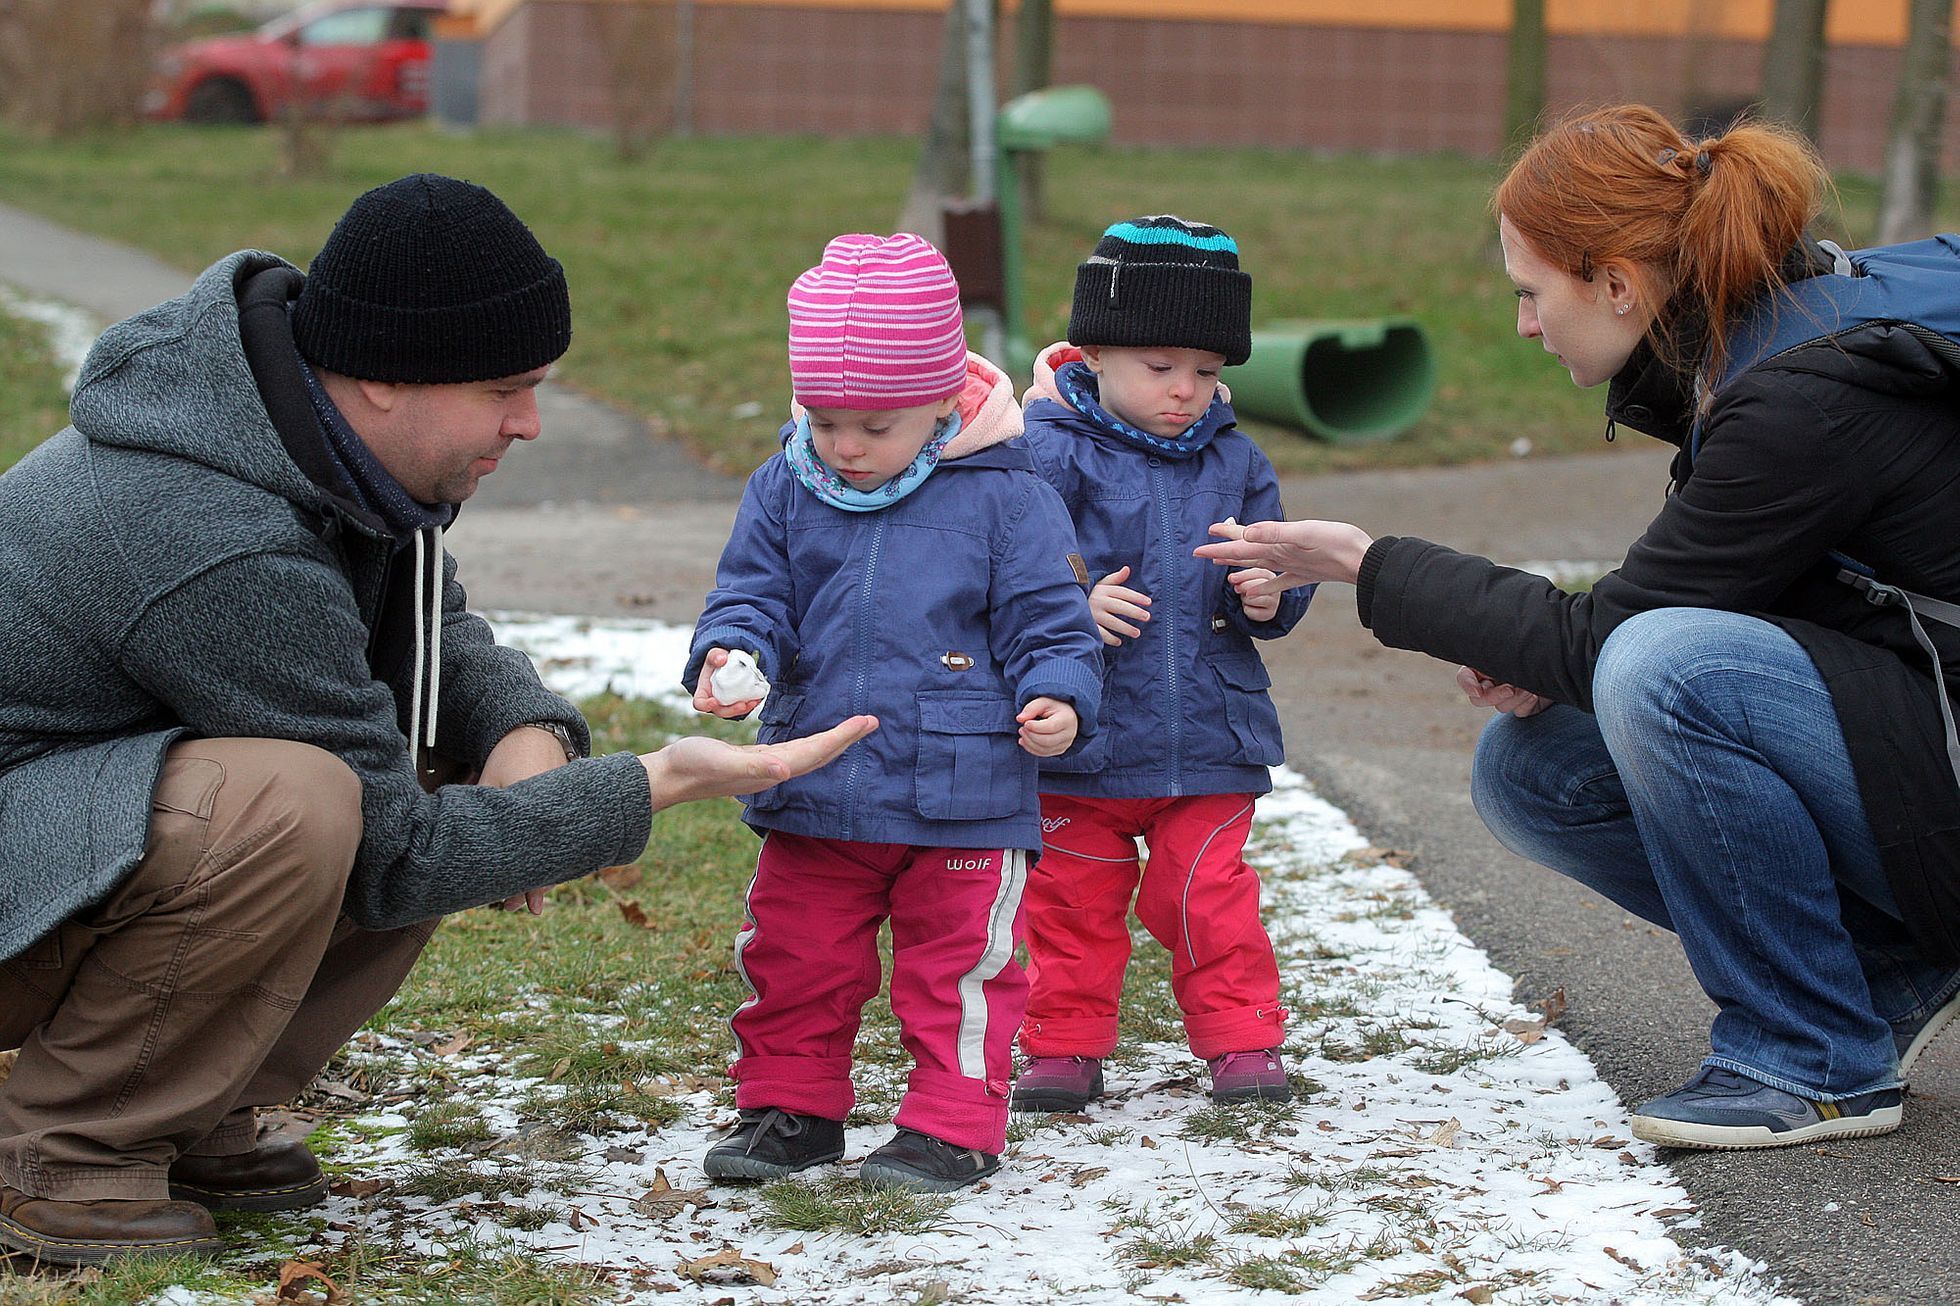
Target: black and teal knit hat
1166,282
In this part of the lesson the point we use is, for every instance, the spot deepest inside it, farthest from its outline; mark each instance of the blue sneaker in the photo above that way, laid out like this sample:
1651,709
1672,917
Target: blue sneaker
1721,1109
1912,1040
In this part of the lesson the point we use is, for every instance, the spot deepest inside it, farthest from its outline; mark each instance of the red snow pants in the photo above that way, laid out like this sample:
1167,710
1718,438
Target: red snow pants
809,955
1198,897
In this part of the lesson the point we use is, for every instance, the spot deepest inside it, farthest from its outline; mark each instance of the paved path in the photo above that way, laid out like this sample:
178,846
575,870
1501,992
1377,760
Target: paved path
599,517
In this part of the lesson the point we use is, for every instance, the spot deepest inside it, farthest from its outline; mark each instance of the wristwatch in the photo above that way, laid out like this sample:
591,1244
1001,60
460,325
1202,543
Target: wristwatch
564,736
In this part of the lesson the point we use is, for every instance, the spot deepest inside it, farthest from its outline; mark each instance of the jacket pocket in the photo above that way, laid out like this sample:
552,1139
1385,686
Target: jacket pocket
970,761
777,721
1249,709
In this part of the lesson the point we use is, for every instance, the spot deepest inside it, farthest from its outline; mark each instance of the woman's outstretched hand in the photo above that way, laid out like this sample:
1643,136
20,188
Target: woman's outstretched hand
1296,552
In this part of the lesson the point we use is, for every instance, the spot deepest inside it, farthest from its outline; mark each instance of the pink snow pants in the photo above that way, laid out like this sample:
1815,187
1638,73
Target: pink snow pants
809,954
1199,898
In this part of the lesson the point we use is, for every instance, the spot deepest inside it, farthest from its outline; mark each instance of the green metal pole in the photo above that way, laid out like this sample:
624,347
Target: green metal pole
1019,354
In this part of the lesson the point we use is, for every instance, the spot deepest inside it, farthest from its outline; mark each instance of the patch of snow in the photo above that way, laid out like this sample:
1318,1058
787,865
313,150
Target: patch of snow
71,331
1474,1155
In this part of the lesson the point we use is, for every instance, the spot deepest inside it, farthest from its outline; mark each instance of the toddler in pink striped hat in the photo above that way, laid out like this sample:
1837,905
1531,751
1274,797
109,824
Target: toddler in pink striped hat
900,555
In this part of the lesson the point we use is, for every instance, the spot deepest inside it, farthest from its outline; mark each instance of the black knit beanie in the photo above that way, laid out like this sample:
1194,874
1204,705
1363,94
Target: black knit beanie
1166,282
431,280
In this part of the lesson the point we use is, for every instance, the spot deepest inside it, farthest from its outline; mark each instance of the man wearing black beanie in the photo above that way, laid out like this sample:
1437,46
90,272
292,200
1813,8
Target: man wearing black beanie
239,666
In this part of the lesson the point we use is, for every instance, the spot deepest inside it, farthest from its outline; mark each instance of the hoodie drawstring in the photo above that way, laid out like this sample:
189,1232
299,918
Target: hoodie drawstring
428,646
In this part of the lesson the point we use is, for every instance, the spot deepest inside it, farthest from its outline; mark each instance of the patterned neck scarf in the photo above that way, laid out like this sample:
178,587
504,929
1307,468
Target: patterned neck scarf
1078,386
370,484
820,479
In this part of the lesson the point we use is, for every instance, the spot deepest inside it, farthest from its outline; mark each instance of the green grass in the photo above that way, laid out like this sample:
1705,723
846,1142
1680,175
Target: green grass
679,261
834,1203
33,405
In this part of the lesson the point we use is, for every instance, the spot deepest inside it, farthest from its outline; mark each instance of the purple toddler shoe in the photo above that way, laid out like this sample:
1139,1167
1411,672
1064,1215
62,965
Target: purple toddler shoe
1255,1076
1057,1084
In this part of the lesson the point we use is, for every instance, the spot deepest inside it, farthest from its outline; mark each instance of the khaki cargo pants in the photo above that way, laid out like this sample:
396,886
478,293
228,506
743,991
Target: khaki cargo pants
218,977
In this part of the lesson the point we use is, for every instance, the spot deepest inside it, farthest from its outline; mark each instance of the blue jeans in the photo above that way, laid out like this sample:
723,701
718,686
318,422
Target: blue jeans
1711,794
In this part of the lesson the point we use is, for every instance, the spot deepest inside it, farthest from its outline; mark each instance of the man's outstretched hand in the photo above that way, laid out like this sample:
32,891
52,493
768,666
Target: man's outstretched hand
695,767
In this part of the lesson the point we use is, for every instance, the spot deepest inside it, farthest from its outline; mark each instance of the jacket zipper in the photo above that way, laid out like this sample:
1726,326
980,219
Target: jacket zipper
860,641
1174,725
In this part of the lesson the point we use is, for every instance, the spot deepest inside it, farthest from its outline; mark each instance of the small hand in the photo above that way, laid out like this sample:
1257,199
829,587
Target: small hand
704,694
1115,606
1259,605
1048,726
1485,692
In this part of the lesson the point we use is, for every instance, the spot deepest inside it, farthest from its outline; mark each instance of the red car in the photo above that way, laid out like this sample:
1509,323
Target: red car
356,59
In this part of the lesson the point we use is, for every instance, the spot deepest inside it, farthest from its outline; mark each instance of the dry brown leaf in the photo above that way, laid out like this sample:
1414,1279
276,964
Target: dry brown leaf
618,878
334,1088
1081,1177
295,1273
728,1266
1552,1186
1946,1178
1478,1294
357,1187
1627,1261
679,1085
636,915
663,1201
1527,1031
1147,1141
1553,1006
625,1154
1445,1135
449,1047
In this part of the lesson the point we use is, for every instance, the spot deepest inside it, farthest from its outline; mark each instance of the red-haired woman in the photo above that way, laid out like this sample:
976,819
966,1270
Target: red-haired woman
1722,736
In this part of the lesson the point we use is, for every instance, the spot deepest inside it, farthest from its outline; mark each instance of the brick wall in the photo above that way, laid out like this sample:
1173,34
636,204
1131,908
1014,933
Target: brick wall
1377,90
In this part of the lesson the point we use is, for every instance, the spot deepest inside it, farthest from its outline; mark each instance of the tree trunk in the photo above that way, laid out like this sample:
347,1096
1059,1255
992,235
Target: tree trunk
1524,76
1034,68
1793,64
943,166
1912,156
684,67
71,65
637,43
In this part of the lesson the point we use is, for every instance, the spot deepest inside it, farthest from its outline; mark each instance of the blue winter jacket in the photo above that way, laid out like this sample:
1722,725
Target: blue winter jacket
942,614
1185,708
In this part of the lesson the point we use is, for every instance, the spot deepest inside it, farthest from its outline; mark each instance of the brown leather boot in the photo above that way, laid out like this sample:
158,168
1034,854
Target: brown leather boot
278,1175
88,1233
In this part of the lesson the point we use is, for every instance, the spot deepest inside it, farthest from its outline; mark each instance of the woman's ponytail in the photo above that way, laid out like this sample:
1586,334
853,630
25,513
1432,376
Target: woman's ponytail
1763,185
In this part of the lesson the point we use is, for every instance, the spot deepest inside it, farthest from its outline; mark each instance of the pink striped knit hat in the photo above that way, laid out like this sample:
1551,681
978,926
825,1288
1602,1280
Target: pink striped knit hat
876,325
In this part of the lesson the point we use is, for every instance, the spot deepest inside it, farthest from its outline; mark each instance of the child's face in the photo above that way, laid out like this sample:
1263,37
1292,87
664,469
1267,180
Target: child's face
869,448
1159,390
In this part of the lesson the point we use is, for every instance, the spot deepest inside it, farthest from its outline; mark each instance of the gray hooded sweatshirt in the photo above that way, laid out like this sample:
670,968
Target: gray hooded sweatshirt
167,569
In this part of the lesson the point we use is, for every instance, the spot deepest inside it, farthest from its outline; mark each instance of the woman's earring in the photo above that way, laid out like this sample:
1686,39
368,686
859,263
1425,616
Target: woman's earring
1622,309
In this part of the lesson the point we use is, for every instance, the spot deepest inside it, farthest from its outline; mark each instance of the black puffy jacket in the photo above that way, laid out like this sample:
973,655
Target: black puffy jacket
1853,446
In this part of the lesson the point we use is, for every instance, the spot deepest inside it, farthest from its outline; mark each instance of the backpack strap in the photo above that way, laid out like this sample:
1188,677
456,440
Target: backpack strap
1879,594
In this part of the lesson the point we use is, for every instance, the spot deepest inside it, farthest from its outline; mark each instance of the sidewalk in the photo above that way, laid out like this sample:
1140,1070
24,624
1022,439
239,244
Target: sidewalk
601,518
